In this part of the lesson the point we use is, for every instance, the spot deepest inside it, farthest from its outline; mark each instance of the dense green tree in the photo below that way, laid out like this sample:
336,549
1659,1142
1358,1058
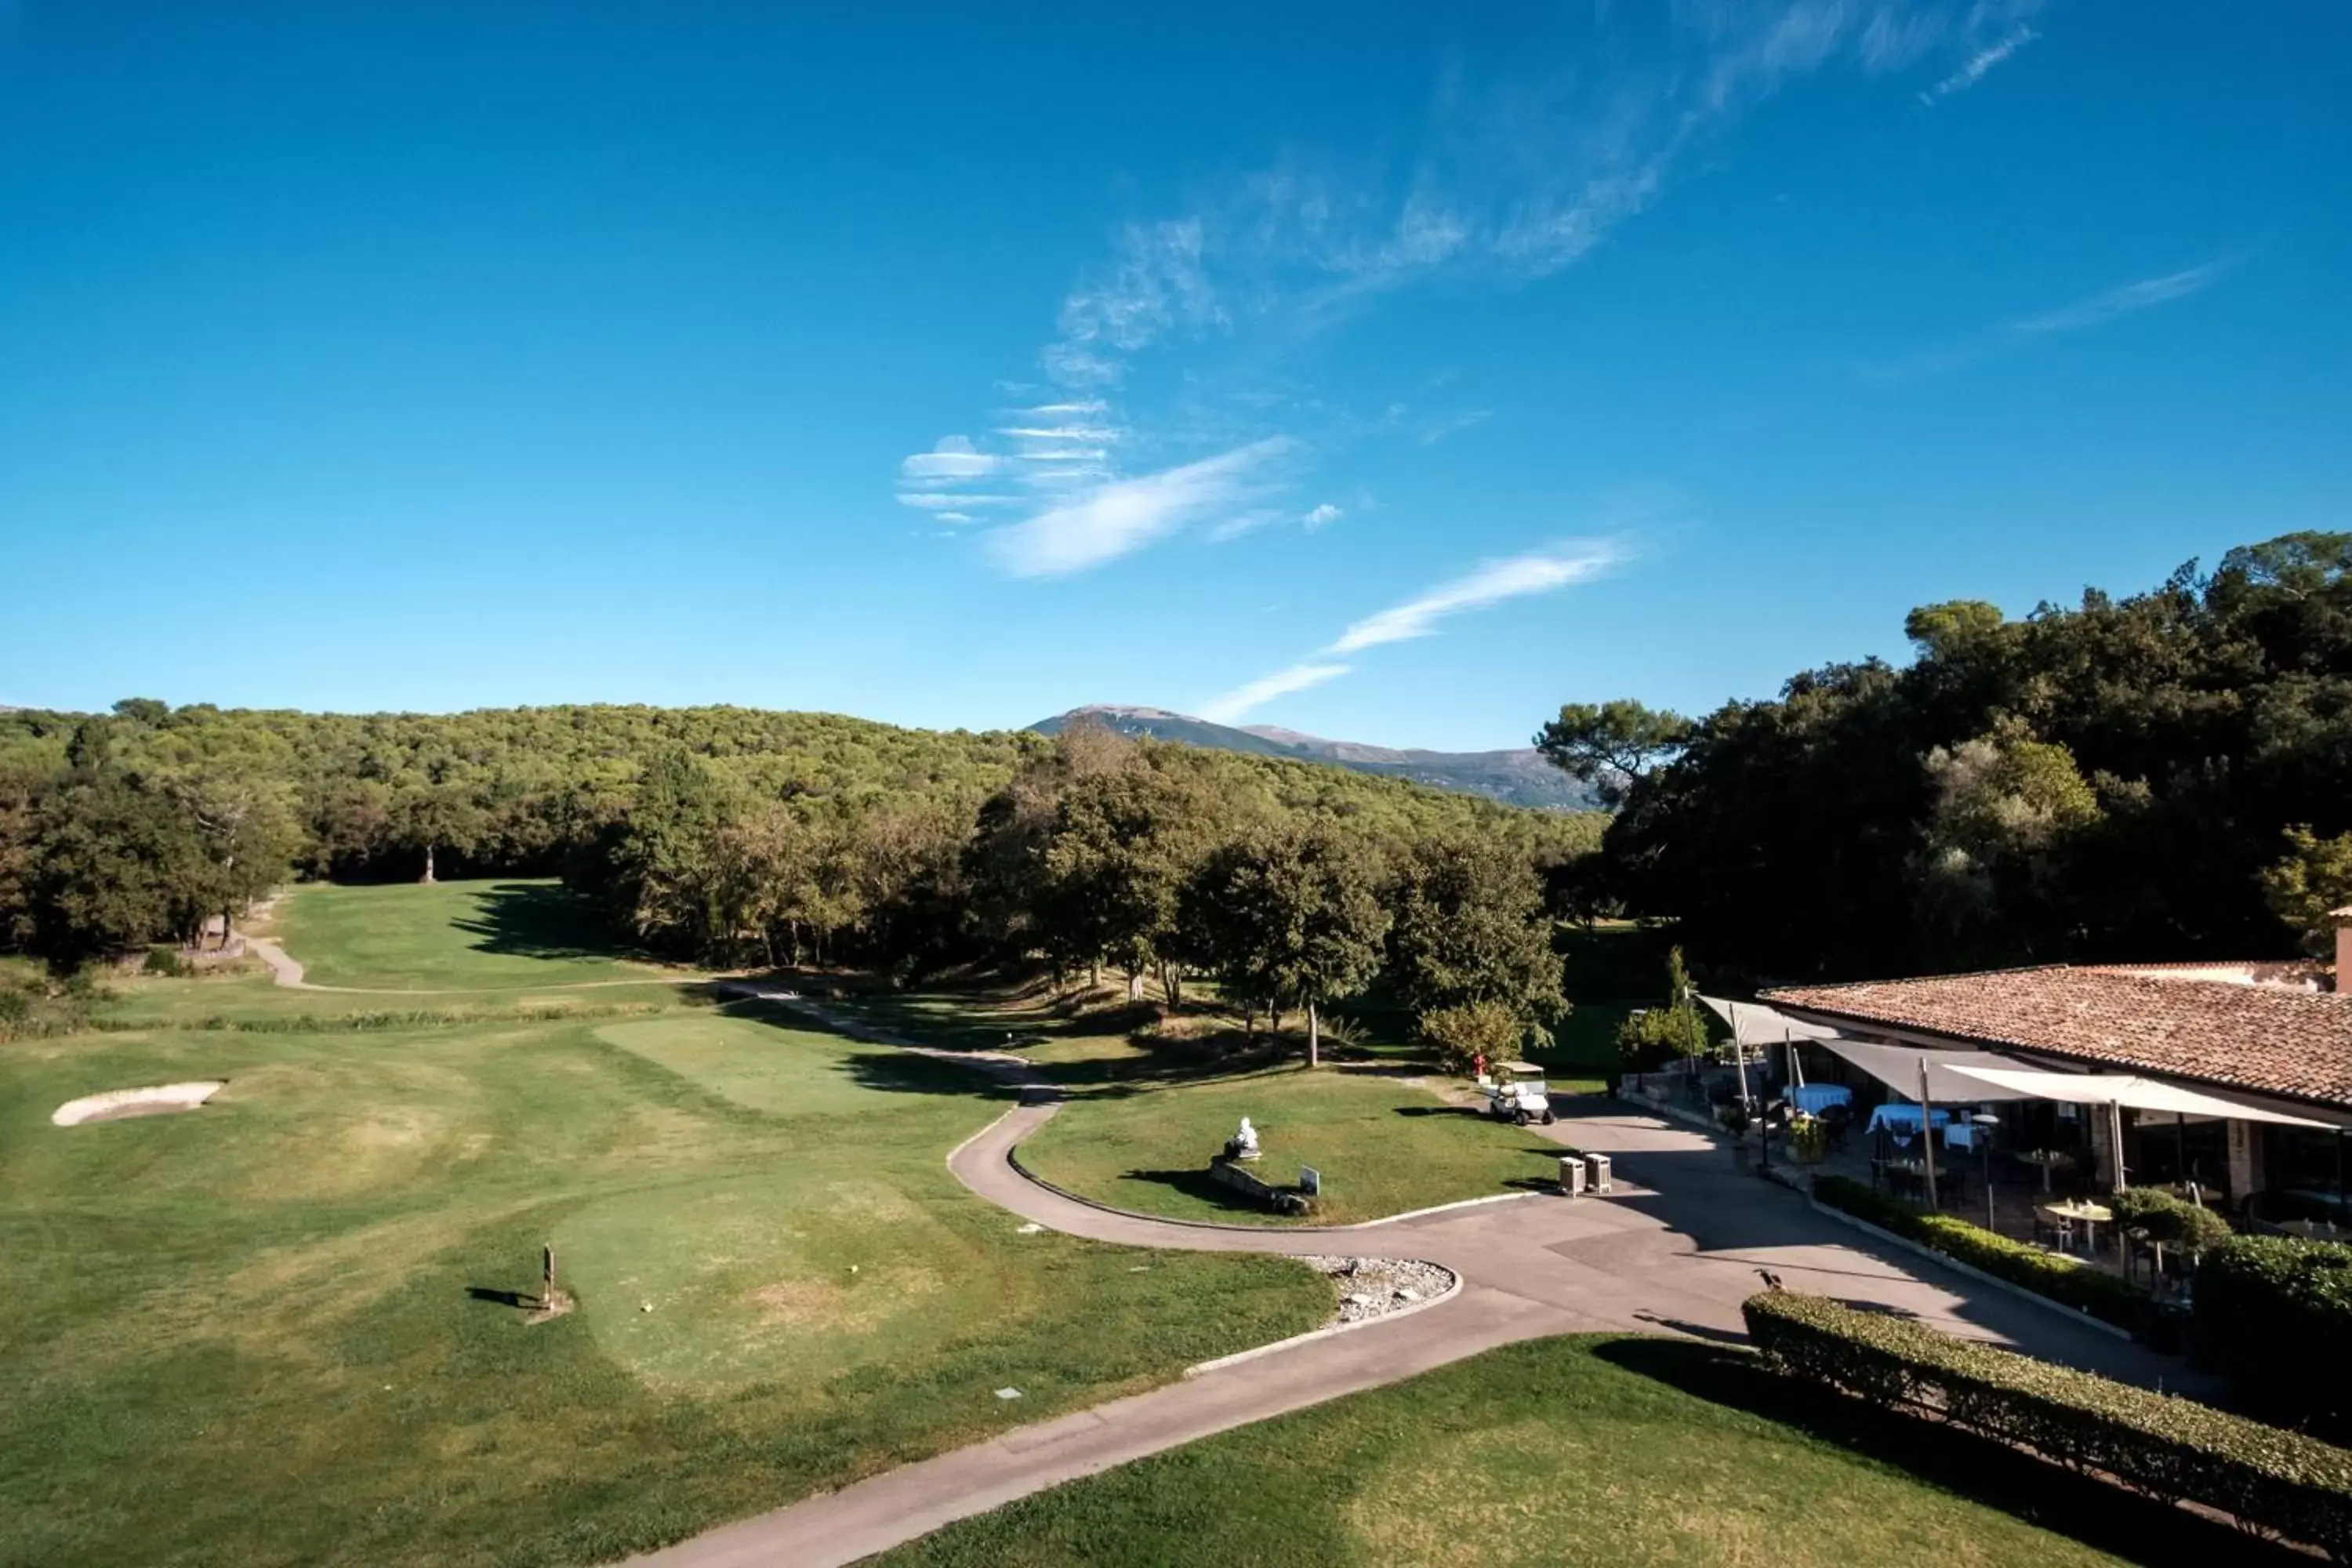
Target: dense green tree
116,865
1611,745
1470,927
2305,888
437,810
2104,781
1298,918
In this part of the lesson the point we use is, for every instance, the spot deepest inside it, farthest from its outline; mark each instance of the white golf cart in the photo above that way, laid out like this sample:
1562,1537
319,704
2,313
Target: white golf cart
1516,1092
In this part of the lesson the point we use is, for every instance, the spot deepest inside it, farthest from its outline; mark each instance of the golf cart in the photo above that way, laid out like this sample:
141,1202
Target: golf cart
1516,1092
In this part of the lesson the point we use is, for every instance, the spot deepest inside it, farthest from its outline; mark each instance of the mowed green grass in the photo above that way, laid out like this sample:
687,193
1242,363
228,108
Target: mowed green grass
450,936
1585,1450
250,1335
1383,1143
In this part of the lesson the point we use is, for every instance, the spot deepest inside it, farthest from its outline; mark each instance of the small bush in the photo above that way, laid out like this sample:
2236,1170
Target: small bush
2275,1313
1809,1139
2170,1448
1473,1029
166,961
2107,1296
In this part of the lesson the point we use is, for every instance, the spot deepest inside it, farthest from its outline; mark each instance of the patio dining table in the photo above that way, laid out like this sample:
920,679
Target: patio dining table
2049,1160
2311,1229
2089,1216
1812,1099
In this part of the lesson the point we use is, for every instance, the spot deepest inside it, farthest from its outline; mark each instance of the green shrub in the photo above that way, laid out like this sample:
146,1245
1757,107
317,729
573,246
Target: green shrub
2170,1448
1809,1139
2110,1298
2175,1222
2275,1313
1473,1029
164,961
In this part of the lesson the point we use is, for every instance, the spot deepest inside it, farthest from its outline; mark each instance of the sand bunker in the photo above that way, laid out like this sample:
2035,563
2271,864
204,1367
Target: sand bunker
118,1103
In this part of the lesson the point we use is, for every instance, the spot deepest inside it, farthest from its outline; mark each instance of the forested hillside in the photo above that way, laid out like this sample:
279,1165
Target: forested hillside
2121,779
720,834
1514,777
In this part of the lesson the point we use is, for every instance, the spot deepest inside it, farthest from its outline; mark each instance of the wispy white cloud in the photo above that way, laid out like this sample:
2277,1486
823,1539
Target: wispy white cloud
2123,301
1491,584
2097,310
953,501
1438,429
1180,340
1322,516
1124,515
1972,70
1518,577
1240,699
954,459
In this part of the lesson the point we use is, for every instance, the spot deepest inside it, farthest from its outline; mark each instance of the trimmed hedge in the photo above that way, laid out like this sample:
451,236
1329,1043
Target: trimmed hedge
2172,1449
2175,1222
2275,1312
2109,1297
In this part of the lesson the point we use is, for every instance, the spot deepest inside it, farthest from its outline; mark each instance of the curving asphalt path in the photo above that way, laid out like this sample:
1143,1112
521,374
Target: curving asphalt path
1675,1249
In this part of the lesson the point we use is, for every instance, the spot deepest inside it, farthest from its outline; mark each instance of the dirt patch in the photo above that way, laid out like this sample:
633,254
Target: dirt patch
122,1104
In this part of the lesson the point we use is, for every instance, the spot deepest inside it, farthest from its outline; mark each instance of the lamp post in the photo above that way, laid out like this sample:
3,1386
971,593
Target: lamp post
1984,1121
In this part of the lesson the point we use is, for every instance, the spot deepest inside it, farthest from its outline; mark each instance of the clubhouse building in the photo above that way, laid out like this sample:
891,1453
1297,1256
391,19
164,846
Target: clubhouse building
2237,1078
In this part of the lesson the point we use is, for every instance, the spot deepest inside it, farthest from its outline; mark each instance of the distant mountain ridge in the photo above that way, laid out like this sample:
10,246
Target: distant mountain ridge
1519,777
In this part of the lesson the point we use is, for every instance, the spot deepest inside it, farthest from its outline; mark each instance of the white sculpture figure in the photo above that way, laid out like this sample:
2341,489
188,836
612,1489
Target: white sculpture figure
1244,1143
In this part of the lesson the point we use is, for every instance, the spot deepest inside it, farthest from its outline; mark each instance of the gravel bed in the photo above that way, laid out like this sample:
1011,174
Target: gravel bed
1376,1287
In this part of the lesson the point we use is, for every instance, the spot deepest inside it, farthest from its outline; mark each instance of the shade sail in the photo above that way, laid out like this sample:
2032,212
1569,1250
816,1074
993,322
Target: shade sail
1754,1024
1898,1067
2124,1089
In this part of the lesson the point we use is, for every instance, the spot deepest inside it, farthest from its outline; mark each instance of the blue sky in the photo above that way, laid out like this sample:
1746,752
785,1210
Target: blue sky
1392,373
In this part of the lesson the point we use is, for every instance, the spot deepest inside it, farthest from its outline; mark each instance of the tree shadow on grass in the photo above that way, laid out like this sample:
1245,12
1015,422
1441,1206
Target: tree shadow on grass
1199,1184
540,919
1471,1112
2094,1512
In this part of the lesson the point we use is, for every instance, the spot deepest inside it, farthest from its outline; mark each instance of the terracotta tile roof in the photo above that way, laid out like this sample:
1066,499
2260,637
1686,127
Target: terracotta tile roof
2272,1039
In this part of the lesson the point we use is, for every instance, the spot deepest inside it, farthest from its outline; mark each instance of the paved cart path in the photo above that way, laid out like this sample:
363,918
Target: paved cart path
1674,1250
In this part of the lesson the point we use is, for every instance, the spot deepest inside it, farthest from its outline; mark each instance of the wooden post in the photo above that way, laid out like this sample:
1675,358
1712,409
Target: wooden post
547,1275
1927,1132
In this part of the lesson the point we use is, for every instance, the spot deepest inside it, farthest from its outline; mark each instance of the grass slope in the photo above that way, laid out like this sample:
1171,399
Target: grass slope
1584,1450
272,1331
448,935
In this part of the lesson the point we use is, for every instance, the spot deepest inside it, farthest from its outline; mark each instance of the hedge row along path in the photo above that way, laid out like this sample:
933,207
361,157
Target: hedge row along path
1675,1249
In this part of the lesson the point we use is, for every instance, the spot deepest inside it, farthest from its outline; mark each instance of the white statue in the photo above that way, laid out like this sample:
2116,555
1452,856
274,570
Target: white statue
1244,1145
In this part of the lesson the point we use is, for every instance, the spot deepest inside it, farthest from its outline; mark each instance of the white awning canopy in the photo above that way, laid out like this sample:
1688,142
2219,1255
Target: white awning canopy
1754,1024
1972,1077
1948,1082
2126,1088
